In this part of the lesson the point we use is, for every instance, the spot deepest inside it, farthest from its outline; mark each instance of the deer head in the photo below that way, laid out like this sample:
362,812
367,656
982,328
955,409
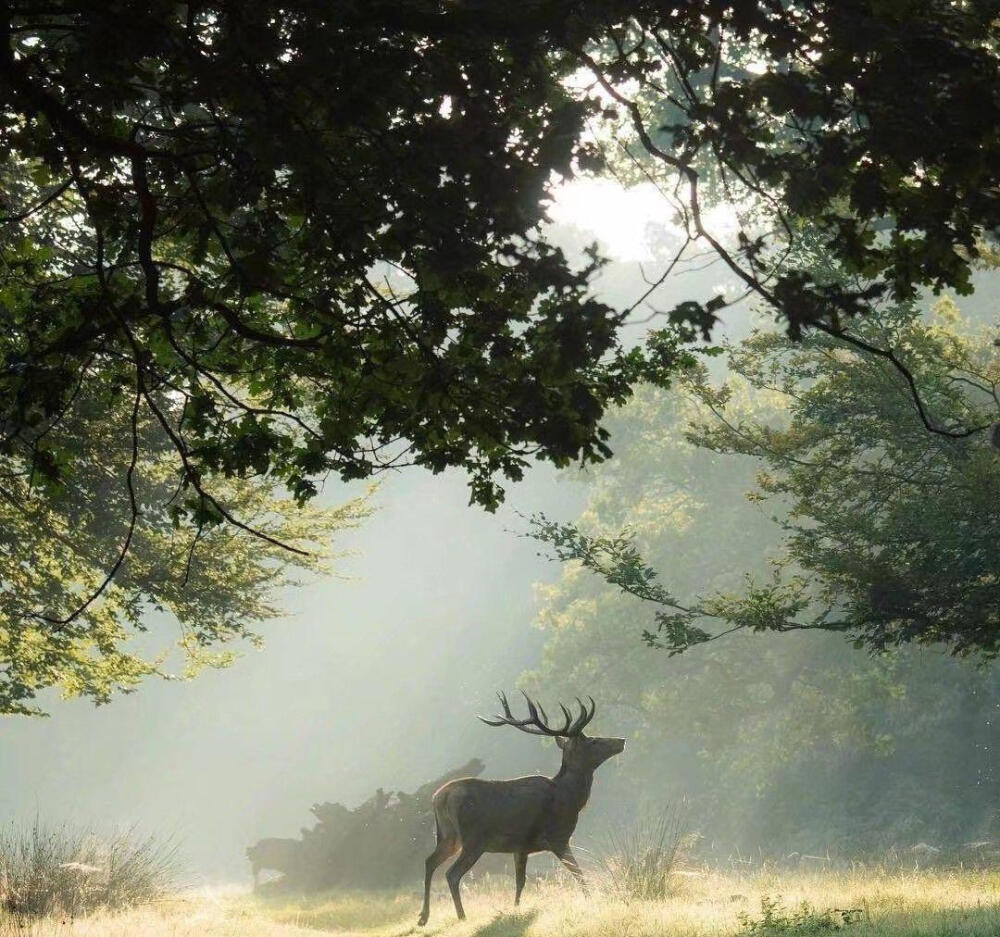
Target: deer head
580,752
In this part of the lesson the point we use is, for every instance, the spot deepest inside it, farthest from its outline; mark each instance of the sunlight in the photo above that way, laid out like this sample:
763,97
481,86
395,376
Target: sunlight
627,222
632,224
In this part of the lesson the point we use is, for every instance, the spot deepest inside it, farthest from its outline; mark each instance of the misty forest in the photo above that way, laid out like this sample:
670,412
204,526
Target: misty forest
500,469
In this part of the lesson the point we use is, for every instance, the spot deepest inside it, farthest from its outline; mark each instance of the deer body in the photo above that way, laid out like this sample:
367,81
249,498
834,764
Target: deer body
520,816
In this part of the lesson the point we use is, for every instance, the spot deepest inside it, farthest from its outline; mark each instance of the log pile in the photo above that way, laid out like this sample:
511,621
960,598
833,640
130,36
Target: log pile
380,844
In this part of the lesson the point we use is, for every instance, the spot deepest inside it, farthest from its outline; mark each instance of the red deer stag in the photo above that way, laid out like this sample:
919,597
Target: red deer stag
523,815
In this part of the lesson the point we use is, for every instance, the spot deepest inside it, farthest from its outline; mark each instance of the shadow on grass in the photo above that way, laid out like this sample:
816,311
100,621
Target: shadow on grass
507,924
337,911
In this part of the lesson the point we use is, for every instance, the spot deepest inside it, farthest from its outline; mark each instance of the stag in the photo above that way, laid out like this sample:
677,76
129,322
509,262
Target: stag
522,815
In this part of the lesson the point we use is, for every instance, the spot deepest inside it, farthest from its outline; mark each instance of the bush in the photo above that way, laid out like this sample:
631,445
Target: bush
637,862
775,919
62,870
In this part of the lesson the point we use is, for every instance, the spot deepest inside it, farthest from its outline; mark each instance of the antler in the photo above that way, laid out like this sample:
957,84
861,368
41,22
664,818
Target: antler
537,722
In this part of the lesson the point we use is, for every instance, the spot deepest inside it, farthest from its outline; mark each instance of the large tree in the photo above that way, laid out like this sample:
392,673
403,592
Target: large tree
891,532
305,237
776,742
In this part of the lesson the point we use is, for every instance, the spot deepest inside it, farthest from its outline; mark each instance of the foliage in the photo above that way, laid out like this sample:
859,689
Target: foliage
637,861
380,844
61,870
315,227
891,531
872,125
314,223
779,741
776,919
65,624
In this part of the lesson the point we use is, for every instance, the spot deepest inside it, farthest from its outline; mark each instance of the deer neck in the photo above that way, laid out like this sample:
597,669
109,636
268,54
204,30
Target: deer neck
574,785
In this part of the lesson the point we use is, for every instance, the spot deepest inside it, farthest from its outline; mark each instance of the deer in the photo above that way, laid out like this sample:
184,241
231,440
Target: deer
520,816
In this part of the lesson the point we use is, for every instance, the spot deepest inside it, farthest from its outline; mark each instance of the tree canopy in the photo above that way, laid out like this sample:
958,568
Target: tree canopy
302,237
773,741
890,532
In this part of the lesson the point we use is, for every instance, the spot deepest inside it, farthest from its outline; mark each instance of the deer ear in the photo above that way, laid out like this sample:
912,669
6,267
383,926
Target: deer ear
561,742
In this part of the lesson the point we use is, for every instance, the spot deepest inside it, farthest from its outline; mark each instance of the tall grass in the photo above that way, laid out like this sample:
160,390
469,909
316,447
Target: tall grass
636,863
67,871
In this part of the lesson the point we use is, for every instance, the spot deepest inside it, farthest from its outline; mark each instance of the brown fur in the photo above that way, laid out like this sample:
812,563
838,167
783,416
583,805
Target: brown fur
519,816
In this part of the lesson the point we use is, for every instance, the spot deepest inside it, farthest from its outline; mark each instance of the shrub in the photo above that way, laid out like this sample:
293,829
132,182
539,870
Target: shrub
62,870
637,862
805,919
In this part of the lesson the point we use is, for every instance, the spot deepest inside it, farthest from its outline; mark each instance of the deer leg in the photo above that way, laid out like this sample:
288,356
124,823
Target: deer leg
442,851
467,858
520,866
567,858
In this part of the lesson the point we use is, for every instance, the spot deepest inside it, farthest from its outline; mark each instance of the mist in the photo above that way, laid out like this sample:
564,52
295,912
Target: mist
372,680
375,676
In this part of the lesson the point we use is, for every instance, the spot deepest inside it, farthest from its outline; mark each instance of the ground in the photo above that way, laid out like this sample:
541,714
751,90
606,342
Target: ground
959,903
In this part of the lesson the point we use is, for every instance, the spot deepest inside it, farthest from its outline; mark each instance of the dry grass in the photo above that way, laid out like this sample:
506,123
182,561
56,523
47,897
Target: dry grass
706,904
63,870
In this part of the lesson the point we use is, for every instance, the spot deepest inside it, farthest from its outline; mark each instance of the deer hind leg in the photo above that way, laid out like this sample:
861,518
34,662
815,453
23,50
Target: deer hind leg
567,858
444,849
520,867
467,858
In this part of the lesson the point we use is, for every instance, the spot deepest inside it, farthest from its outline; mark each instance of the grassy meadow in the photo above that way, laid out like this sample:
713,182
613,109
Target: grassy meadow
701,904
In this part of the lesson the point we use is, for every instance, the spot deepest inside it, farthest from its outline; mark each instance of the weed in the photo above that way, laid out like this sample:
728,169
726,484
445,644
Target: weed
805,919
637,863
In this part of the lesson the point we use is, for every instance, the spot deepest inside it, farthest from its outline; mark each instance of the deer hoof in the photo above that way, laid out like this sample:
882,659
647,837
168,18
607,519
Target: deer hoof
422,920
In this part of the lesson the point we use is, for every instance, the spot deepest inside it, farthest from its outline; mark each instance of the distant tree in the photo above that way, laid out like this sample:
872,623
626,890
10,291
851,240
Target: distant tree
304,237
890,533
776,741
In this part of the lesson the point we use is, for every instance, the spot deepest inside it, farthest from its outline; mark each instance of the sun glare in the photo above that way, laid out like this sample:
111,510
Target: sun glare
632,224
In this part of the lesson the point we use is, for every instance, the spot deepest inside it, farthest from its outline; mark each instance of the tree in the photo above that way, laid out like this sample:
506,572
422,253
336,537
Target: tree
777,742
870,125
89,578
305,237
890,533
244,247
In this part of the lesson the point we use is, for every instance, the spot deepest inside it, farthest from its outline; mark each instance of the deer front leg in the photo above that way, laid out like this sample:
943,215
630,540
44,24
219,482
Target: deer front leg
567,858
467,858
520,867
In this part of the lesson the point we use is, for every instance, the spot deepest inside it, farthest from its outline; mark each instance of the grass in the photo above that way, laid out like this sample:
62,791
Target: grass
640,862
702,904
62,870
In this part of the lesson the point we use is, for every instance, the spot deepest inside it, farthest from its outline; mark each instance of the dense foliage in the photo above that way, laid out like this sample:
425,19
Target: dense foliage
783,742
67,623
891,533
874,124
318,223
